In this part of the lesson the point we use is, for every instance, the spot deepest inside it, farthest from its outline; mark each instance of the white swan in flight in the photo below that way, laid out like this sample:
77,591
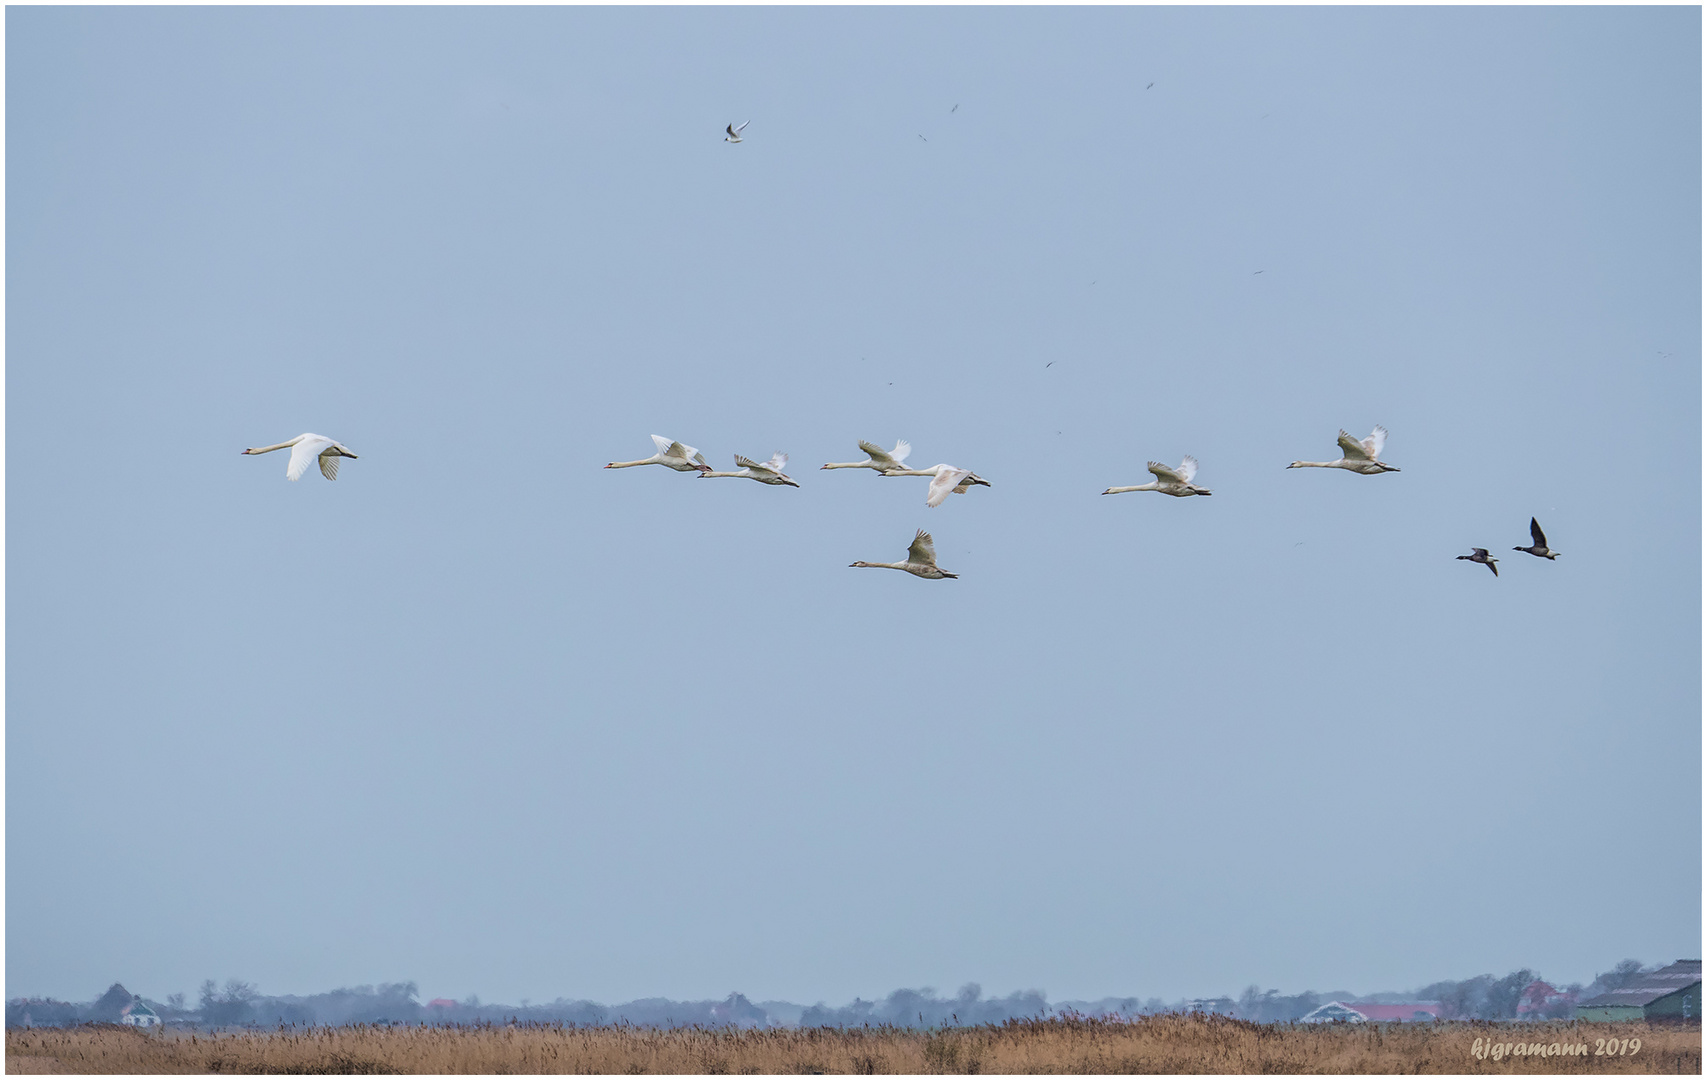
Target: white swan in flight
1176,482
671,455
945,479
765,472
1360,457
877,457
921,559
735,132
305,449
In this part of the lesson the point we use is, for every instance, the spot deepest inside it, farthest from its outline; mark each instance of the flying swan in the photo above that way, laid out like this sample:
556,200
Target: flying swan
766,472
877,457
1360,457
921,559
671,455
305,448
1175,482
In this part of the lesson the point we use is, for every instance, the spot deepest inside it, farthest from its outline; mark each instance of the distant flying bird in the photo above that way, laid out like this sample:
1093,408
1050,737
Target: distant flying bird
921,559
1360,457
1481,556
1540,539
1175,482
1254,273
769,472
671,455
956,106
1052,363
877,457
306,448
735,132
1148,87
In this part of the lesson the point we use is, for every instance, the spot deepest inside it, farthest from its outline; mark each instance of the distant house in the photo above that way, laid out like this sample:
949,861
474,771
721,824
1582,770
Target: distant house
1674,990
138,1014
1404,1012
1333,1010
1226,1006
1541,1000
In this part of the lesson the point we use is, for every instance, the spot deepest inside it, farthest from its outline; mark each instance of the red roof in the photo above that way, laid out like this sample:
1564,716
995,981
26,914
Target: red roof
1405,1010
1538,995
441,1003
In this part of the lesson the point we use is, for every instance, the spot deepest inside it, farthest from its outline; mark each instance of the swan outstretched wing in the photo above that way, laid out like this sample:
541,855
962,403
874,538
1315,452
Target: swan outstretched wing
1188,468
882,456
1354,450
329,465
1536,534
778,462
304,453
1376,442
922,551
663,444
902,449
742,462
1166,474
946,480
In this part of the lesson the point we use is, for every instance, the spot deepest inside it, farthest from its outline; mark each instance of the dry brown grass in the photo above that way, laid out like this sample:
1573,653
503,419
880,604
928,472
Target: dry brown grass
1160,1044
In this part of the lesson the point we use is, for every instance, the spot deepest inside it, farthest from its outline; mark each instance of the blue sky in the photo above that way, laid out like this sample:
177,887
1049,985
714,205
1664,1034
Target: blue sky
483,715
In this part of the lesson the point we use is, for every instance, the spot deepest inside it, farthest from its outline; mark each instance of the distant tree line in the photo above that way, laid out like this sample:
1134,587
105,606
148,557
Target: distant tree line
241,1004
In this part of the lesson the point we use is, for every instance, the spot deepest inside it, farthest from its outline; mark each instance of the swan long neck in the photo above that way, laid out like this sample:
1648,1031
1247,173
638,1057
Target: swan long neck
1340,464
1151,486
881,565
275,446
850,465
631,464
703,475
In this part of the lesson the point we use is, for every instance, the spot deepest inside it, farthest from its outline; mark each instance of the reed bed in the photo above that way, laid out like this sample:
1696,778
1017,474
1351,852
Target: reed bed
1157,1044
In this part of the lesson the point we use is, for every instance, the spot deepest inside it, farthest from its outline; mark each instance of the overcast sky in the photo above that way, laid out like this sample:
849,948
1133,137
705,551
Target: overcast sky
485,716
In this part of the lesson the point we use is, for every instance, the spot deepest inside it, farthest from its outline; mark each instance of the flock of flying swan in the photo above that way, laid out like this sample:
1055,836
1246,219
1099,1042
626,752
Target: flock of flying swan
1357,455
1360,456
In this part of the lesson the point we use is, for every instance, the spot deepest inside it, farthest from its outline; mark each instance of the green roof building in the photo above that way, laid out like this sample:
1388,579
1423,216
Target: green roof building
1671,991
138,1014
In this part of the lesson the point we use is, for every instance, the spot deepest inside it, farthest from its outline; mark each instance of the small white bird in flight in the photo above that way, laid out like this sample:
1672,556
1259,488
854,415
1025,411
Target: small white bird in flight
921,559
305,449
1360,457
767,472
671,455
735,132
1176,482
877,457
